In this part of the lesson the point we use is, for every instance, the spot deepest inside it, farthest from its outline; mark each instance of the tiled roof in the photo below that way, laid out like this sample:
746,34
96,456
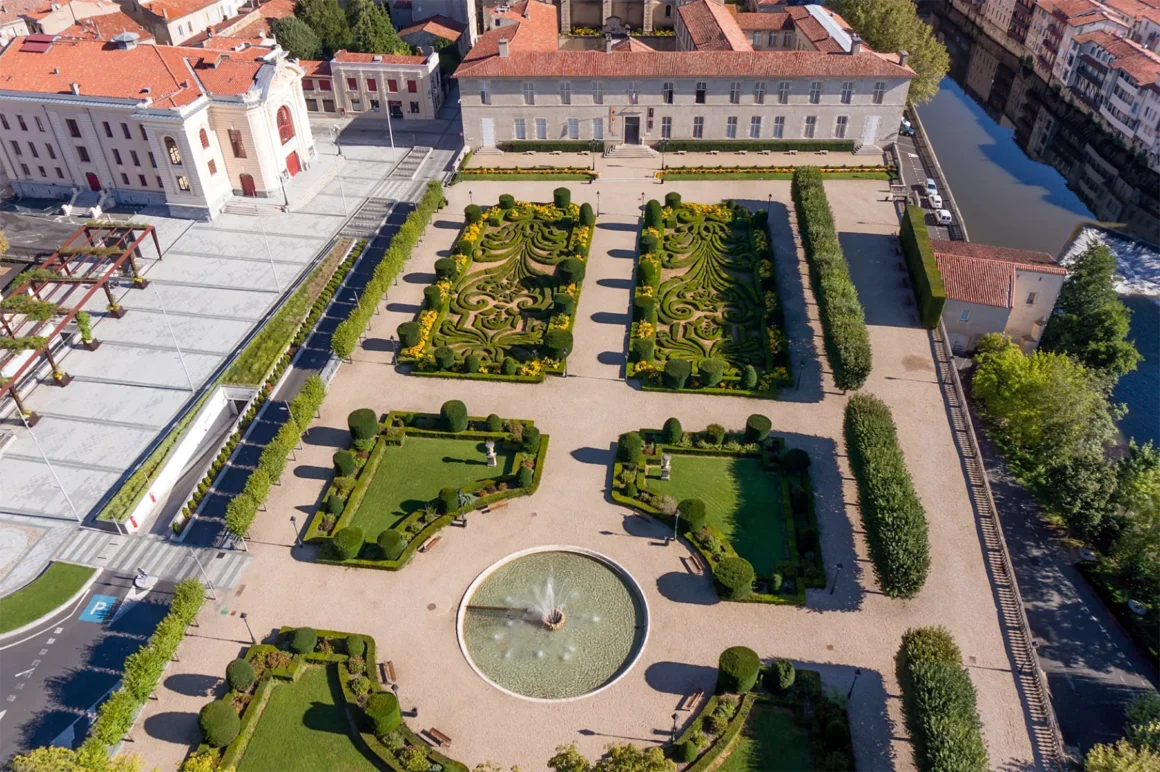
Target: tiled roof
350,56
711,27
534,32
438,25
1137,61
14,10
969,280
314,68
631,44
175,9
105,27
813,31
1002,254
764,21
231,43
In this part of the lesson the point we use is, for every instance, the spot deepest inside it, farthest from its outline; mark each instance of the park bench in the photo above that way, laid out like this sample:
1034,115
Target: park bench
389,666
742,152
714,152
791,152
556,152
430,543
823,152
689,701
487,509
765,152
440,738
681,152
529,152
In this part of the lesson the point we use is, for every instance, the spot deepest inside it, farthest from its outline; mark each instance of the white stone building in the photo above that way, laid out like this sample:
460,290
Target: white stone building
371,86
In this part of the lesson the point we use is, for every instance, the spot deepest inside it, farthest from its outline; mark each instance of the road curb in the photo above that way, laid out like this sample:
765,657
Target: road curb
76,596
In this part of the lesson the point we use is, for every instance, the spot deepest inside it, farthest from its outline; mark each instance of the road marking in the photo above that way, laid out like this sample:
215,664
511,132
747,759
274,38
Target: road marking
98,608
43,652
20,685
36,663
50,641
24,673
58,631
12,698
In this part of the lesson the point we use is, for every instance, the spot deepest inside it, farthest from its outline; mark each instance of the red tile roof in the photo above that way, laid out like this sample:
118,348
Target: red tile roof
764,21
175,9
1040,260
13,10
813,30
711,27
106,27
968,280
231,43
438,25
534,32
350,56
314,68
631,44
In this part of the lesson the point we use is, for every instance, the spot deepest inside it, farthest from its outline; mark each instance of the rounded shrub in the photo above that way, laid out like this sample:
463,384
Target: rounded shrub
677,372
648,245
672,199
570,270
444,357
653,214
507,201
649,270
749,377
382,712
780,676
524,477
734,578
462,247
795,461
685,751
445,268
335,504
631,491
347,542
630,447
453,416
303,640
409,333
692,511
711,371
673,431
644,348
646,309
757,428
565,303
472,213
343,463
356,645
737,670
240,675
448,500
531,441
558,342
363,424
471,363
715,433
219,723
392,543
587,215
494,423
509,366
562,198
432,300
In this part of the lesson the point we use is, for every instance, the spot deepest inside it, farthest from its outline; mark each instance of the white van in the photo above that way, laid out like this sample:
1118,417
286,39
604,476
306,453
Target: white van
942,217
935,200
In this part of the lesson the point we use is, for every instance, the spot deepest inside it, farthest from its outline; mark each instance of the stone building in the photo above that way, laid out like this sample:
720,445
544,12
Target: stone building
373,86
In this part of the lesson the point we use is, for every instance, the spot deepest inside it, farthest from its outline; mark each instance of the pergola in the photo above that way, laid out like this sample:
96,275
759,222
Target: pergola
44,300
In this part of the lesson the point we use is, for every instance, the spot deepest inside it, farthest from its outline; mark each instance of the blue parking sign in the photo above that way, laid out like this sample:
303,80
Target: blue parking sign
98,608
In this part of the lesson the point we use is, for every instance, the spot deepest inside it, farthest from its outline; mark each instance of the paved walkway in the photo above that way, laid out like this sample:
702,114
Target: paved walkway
412,613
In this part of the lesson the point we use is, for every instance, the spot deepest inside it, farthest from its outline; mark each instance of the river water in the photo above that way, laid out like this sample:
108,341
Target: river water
1026,169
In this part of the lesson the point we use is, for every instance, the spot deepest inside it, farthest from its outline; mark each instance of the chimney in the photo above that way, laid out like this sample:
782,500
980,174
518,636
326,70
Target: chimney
126,41
56,71
903,55
855,45
608,44
503,48
75,88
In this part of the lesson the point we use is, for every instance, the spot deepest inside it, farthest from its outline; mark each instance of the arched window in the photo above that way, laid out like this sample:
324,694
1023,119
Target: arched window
174,152
204,139
285,125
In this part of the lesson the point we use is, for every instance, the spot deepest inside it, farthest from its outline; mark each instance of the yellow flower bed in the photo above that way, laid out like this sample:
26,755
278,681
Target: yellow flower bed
560,322
880,169
531,170
426,326
644,330
533,368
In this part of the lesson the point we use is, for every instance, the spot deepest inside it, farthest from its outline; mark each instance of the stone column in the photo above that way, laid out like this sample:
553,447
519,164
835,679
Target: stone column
650,7
565,16
605,11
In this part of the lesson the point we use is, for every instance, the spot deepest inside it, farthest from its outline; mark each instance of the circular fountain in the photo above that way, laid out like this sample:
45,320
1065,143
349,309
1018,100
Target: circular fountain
553,623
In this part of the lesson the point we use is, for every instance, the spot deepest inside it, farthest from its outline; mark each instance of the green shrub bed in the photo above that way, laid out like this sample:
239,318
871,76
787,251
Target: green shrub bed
929,292
546,146
504,305
636,483
843,318
705,145
896,526
513,438
706,313
938,699
876,172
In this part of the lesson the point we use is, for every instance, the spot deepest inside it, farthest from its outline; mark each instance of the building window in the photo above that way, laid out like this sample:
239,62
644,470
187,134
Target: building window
759,92
731,127
649,126
352,84
392,85
136,158
597,92
698,127
565,92
633,92
174,152
755,127
307,84
1031,298
4,122
142,180
597,128
735,92
772,40
125,131
787,38
39,123
521,129
413,86
51,151
414,108
376,106
840,126
666,128
815,92
879,91
16,147
124,178
24,168
484,92
160,184
372,85
965,316
700,92
204,137
182,182
83,154
59,172
23,125
811,126
32,147
529,93
847,91
573,128
783,92
152,160
667,92
285,125
108,128
236,144
144,136
212,166
668,11
73,129
117,157
541,128
43,173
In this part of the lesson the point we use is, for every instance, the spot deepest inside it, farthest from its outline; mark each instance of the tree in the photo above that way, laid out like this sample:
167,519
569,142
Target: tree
372,30
52,759
630,758
297,37
4,239
328,21
1090,322
1081,488
889,26
1143,728
1121,757
568,759
1137,548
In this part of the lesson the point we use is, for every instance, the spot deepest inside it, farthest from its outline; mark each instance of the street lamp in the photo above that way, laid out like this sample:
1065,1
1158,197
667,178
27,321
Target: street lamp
769,205
674,734
857,672
294,525
661,146
246,619
598,202
836,575
471,195
676,523
592,152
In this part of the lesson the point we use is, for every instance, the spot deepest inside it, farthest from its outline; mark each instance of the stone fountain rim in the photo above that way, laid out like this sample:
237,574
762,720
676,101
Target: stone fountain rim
621,571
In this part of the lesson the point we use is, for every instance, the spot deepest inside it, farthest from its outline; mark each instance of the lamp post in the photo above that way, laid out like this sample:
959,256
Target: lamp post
470,196
592,153
208,583
836,575
67,498
676,523
294,525
769,205
674,733
598,202
662,145
857,672
246,619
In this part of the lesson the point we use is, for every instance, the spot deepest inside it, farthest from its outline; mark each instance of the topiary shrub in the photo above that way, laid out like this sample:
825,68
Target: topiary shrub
472,363
677,373
795,461
644,349
564,303
673,199
646,309
570,270
409,333
780,676
692,511
432,300
531,440
303,640
356,645
737,670
347,542
445,268
444,357
757,428
509,366
507,201
363,425
672,431
631,491
652,214
630,447
448,501
558,343
734,578
649,271
715,433
494,423
562,198
343,463
648,245
453,416
335,504
524,477
711,371
392,543
587,215
749,377
685,751
382,713
472,213
240,675
219,723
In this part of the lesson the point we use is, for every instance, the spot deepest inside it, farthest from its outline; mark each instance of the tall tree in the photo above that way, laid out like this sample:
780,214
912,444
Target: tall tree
328,21
297,38
1137,549
373,31
1090,322
893,25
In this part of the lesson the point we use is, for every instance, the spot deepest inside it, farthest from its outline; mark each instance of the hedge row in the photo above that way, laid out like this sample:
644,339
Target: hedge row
347,333
546,146
929,292
939,702
895,521
704,146
843,318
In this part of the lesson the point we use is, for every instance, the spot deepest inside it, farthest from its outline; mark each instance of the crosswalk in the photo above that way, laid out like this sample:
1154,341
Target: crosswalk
158,557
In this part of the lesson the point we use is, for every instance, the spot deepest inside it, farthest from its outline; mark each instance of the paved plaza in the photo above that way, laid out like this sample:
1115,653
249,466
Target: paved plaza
411,613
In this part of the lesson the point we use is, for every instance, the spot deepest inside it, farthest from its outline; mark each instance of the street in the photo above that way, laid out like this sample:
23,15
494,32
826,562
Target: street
914,176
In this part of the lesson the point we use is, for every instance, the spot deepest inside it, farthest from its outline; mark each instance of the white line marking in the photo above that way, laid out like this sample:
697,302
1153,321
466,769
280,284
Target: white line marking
58,631
50,641
24,673
43,652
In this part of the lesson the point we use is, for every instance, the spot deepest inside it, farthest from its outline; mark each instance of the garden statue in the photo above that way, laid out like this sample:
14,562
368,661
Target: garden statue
666,466
490,445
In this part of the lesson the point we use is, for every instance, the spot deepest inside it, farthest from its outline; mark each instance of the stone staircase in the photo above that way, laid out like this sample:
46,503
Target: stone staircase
365,222
407,168
631,151
86,203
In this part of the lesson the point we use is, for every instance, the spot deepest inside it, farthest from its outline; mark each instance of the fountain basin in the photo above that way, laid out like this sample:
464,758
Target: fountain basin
552,623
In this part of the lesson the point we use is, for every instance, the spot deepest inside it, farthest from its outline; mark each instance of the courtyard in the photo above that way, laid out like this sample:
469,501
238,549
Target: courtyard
412,613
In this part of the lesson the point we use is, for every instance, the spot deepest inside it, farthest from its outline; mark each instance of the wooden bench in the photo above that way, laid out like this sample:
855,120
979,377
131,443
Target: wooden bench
823,152
742,152
430,543
440,738
487,509
681,152
529,152
791,152
556,152
714,152
766,152
689,701
389,667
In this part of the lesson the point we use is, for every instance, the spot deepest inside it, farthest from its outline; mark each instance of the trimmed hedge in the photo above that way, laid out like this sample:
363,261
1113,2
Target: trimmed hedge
737,670
929,292
734,577
546,146
219,723
895,521
304,639
938,700
453,416
382,712
757,427
843,318
240,675
703,146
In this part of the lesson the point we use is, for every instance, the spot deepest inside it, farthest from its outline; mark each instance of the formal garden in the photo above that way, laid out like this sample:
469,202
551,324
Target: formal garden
407,477
503,305
742,500
706,312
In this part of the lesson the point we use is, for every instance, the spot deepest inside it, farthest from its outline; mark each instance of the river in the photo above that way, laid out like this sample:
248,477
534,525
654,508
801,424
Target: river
1026,169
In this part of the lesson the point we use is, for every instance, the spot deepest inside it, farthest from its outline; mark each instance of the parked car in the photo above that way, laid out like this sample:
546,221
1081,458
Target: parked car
942,217
935,200
930,186
906,129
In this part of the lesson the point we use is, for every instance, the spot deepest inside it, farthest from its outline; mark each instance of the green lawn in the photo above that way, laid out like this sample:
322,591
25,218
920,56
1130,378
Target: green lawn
303,727
769,742
742,500
412,475
48,591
